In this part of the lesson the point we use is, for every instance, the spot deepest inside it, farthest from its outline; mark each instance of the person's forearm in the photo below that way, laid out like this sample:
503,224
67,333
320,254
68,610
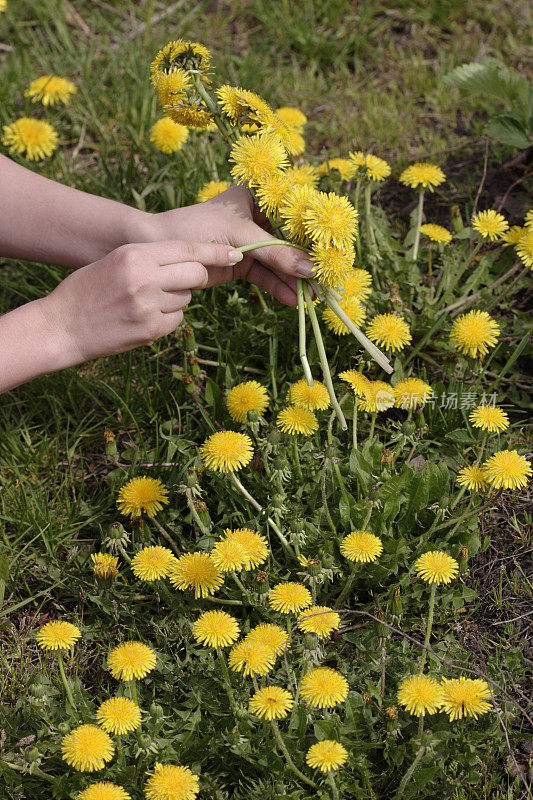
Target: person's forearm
45,221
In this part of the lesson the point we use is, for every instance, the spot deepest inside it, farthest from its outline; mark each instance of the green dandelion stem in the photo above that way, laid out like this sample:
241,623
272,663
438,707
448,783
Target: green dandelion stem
430,250
268,243
120,751
134,694
409,774
429,625
419,213
347,586
240,584
282,746
334,790
372,425
325,499
368,216
226,132
222,602
166,535
356,205
296,457
190,502
420,724
354,423
255,684
64,680
336,468
123,553
301,333
227,681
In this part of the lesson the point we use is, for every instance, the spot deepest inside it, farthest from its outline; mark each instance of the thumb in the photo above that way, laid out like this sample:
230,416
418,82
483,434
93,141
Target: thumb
278,257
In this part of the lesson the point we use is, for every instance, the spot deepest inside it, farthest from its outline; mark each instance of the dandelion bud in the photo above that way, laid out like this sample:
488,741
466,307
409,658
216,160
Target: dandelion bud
314,568
188,383
396,605
189,339
366,698
391,712
444,502
32,754
463,561
253,416
191,479
310,641
145,741
194,366
456,220
38,690
63,728
387,457
408,428
110,443
203,513
280,463
328,560
274,437
262,585
156,711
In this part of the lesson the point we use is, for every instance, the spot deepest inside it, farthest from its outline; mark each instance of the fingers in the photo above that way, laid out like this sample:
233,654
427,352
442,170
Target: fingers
172,252
172,302
282,287
279,257
186,275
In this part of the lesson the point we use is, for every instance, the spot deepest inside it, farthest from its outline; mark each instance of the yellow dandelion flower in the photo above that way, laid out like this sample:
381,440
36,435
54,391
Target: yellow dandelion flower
411,393
295,419
142,494
358,159
331,220
524,248
345,167
377,396
389,331
474,333
436,233
352,307
180,54
356,380
256,157
420,695
273,636
323,624
289,597
131,661
242,106
294,209
303,175
245,397
295,143
331,265
513,235
292,117
490,224
271,192
119,715
489,418
436,567
87,748
50,89
196,571
361,546
323,687
192,116
314,398
228,555
251,658
103,790
211,189
170,782
227,451
58,635
376,168
152,563
326,755
104,565
507,470
424,175
172,87
3,5
528,219
216,629
32,137
168,136
272,702
358,284
473,478
254,545
465,697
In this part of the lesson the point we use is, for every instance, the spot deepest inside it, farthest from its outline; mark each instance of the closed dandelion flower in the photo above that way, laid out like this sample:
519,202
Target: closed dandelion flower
104,565
474,333
331,265
211,189
436,567
411,393
256,157
272,702
356,380
295,419
192,116
352,307
490,224
473,478
358,284
294,209
326,755
292,117
303,175
377,396
251,658
172,87
196,571
245,397
119,715
170,782
324,687
314,397
180,54
228,555
289,597
254,545
331,220
87,748
271,192
424,175
420,695
489,418
524,248
227,451
168,136
270,635
345,167
50,89
376,168
216,629
152,563
130,661
507,470
33,138
465,697
103,790
389,331
140,495
325,622
361,546
436,233
513,235
58,635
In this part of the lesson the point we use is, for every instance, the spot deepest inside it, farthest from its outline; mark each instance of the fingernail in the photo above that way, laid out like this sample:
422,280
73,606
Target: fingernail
235,256
304,269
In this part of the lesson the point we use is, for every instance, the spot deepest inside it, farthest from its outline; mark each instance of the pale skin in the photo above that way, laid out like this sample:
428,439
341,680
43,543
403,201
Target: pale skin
133,272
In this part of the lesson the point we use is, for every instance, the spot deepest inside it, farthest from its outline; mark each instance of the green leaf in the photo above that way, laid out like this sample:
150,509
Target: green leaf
509,129
492,78
4,568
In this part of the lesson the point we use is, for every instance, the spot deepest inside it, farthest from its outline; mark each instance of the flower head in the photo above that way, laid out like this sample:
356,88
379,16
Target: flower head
358,382
465,697
254,545
513,234
331,220
325,621
361,546
474,333
358,284
32,137
293,211
377,396
272,702
271,192
58,635
103,790
292,117
87,748
50,89
352,307
119,715
245,397
212,189
180,54
326,755
524,248
489,418
256,157
142,494
331,264
104,565
172,87
473,478
228,555
303,175
168,136
242,106
425,175
376,168
389,331
507,470
420,694
191,116
273,636
345,167
170,782
216,629
227,451
436,567
196,571
436,233
152,563
324,687
528,219
251,657
314,397
411,393
295,419
130,661
490,224
288,597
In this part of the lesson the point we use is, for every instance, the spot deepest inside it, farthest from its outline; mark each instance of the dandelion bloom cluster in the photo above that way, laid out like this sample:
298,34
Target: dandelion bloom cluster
227,451
361,546
171,782
344,166
377,168
272,702
87,748
103,790
436,233
196,571
292,117
331,220
314,397
296,419
211,189
489,418
436,567
326,755
490,224
140,495
420,695
104,565
321,620
474,333
251,657
216,629
332,265
131,660
152,563
168,136
256,157
507,470
245,397
58,635
423,175
513,234
473,478
303,175
389,331
324,687
33,138
465,697
411,393
289,597
254,546
119,715
50,89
